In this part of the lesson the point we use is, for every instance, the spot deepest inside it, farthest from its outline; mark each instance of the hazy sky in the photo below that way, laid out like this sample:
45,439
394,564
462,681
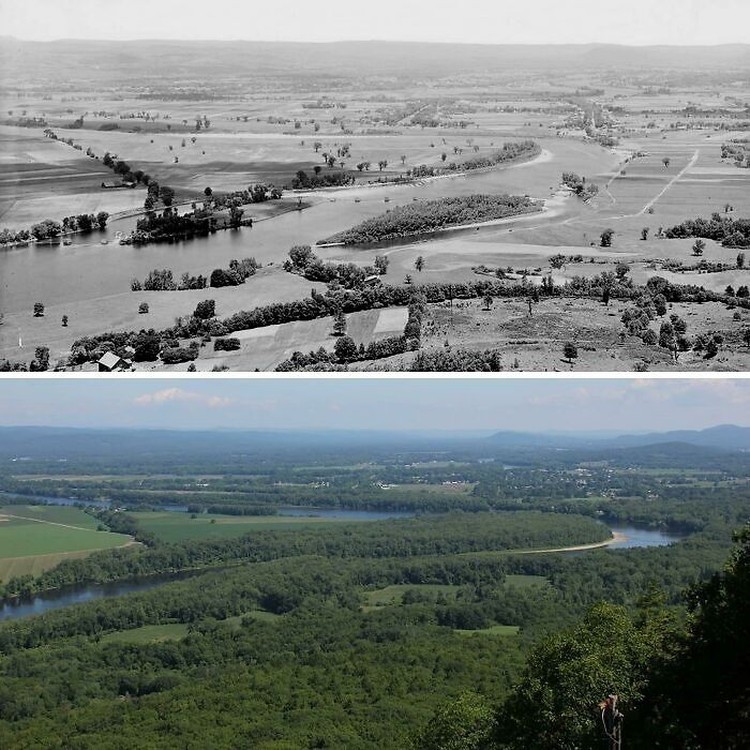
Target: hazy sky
482,21
382,403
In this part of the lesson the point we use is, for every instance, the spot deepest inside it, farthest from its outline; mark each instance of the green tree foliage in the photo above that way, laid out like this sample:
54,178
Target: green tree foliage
702,694
466,723
567,675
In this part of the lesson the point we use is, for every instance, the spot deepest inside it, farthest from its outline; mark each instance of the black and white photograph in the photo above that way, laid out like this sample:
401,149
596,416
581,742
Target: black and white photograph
408,186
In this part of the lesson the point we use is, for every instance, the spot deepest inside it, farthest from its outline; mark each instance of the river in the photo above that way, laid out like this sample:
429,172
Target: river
86,269
51,600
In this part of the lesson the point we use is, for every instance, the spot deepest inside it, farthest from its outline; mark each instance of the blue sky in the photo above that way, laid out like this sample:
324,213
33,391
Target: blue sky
481,21
377,403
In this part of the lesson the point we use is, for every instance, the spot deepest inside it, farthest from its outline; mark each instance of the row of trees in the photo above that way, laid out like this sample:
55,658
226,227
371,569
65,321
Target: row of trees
730,232
162,280
50,229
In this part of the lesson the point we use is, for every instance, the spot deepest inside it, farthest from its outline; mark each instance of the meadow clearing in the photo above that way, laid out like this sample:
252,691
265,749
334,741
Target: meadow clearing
175,527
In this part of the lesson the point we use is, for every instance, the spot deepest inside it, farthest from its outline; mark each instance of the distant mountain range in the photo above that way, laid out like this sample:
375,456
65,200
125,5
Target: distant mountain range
70,59
61,442
721,437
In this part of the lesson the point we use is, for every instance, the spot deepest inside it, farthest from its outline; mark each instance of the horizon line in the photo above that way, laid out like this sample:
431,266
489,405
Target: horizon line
380,41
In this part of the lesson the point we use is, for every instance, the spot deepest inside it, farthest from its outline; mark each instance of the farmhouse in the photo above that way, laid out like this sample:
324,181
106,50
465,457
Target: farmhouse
110,362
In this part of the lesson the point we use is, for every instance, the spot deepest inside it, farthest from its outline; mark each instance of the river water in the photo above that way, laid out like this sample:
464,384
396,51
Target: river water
87,269
52,600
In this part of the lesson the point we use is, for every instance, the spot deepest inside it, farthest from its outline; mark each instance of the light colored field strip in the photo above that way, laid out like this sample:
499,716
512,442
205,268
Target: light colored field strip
72,176
391,320
51,523
616,537
690,164
56,557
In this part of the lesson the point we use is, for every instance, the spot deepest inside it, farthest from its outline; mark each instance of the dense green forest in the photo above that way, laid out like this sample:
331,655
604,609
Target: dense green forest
442,629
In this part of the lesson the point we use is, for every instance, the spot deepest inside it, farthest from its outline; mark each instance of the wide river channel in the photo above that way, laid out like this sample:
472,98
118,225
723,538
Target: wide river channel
631,538
87,269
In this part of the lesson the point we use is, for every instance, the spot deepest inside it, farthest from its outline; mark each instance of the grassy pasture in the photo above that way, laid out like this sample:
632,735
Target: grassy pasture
45,179
36,538
496,630
394,595
526,581
265,347
177,631
536,342
257,615
148,634
13,567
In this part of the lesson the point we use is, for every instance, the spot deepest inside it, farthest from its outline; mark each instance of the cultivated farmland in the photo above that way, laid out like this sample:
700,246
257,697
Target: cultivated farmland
35,538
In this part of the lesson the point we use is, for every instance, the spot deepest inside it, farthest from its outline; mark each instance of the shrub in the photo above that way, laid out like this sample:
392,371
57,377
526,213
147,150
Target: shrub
221,277
227,345
177,355
205,310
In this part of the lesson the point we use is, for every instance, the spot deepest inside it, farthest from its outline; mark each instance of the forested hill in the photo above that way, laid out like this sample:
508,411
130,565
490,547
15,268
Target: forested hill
239,450
39,442
721,437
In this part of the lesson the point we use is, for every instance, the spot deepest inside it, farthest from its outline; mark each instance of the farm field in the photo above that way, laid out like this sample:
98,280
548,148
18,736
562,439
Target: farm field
655,151
36,538
175,527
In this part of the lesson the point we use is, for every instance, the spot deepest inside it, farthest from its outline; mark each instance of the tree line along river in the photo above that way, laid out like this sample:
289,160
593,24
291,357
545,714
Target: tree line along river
629,537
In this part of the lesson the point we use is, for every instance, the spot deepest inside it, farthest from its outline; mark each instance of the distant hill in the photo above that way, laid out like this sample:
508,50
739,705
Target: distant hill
721,437
59,443
23,61
725,437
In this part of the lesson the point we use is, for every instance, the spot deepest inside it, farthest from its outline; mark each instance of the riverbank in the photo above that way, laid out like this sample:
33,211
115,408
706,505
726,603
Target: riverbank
351,190
617,538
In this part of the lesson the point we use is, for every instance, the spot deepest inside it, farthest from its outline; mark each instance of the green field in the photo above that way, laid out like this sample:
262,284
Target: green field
394,595
175,631
503,630
36,538
391,595
148,634
526,581
176,527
